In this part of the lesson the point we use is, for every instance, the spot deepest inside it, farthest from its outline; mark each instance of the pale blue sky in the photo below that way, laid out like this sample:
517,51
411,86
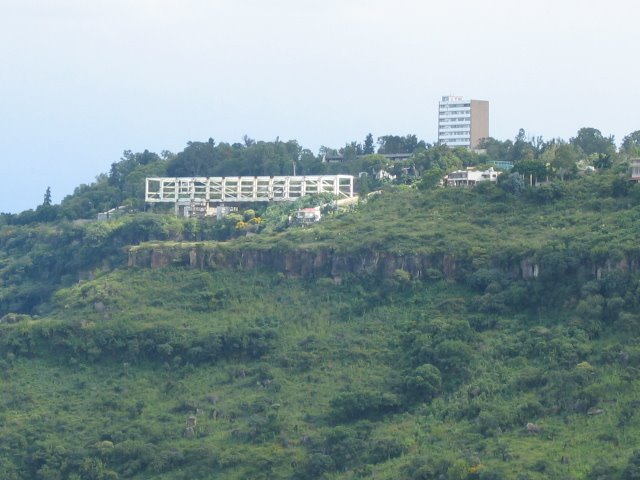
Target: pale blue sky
82,80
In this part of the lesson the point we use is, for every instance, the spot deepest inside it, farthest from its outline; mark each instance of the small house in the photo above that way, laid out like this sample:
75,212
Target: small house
468,178
306,216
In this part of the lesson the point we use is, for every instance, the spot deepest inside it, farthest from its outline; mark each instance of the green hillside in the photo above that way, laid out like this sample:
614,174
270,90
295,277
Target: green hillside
425,334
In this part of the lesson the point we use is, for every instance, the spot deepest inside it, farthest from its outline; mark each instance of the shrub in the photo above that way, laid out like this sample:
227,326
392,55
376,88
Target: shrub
317,465
345,447
356,405
384,449
424,468
424,383
453,358
603,471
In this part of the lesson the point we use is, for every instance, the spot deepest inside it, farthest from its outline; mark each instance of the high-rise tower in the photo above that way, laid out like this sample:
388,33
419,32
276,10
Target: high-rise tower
462,123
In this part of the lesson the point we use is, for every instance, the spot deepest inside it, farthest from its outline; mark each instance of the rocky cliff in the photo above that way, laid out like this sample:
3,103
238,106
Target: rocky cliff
296,263
331,263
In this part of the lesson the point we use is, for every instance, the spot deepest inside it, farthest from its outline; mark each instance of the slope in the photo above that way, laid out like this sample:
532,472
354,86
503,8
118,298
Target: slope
245,370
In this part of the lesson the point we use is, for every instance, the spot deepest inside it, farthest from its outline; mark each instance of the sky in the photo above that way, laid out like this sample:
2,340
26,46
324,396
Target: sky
81,81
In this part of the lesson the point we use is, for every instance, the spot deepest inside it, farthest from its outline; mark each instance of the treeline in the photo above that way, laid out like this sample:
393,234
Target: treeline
534,157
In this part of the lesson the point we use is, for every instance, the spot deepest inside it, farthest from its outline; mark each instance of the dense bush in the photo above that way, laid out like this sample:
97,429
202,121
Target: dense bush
363,404
424,383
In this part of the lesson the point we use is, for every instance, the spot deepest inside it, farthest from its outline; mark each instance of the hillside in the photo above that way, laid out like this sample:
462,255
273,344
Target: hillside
426,334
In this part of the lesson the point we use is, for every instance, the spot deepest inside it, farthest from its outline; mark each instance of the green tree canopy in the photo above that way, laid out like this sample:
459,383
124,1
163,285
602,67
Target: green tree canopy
591,140
390,144
441,157
533,170
496,149
631,144
368,147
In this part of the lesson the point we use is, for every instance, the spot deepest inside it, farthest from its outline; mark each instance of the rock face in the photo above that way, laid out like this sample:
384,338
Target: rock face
330,263
297,263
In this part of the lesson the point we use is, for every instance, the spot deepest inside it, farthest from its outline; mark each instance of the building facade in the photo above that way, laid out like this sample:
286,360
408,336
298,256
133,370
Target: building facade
200,196
461,122
635,169
468,178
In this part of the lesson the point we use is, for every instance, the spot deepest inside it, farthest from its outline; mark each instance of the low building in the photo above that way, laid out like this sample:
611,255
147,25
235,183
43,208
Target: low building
635,169
114,212
468,178
384,175
306,216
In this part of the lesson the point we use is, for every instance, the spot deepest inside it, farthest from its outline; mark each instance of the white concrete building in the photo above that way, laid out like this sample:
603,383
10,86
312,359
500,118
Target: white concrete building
462,123
468,178
199,196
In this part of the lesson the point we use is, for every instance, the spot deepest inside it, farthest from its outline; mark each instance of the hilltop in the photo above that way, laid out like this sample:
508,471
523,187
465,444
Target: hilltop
424,333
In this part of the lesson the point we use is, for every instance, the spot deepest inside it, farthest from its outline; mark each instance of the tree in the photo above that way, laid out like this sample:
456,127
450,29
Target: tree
565,159
248,141
522,149
372,164
87,200
197,159
47,197
309,164
441,157
128,163
425,382
496,150
431,178
512,183
46,212
533,170
390,144
539,145
631,144
591,140
351,150
146,157
368,148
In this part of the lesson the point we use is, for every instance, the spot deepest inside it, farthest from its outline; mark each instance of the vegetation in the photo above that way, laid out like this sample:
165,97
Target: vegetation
486,333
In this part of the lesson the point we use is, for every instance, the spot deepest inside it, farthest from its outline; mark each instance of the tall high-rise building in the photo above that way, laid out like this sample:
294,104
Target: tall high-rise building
462,123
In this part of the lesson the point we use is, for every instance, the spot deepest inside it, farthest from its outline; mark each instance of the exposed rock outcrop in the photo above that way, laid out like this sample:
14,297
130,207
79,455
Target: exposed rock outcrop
332,263
299,263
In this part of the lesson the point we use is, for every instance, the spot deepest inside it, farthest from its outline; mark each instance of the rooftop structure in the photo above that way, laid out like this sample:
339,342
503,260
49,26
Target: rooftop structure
501,164
394,157
462,123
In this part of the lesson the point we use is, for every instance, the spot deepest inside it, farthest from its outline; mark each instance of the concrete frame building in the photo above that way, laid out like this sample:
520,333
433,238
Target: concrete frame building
201,196
462,123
